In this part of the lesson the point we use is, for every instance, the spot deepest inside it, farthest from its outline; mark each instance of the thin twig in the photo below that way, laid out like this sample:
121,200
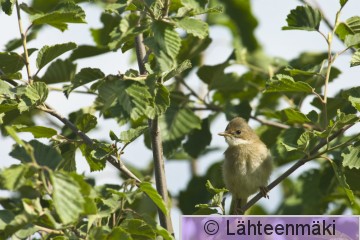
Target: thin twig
270,123
312,155
166,8
23,38
117,163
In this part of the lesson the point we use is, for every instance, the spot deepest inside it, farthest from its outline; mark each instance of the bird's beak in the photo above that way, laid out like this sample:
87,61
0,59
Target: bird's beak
224,134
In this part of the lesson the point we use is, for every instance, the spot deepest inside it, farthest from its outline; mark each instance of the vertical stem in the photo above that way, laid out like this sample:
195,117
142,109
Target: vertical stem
161,186
328,71
23,38
156,143
193,167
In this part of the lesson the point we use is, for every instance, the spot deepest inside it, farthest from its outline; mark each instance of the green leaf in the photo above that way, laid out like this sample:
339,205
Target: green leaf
102,36
285,142
17,42
193,26
162,99
303,18
34,94
85,51
198,139
43,154
119,233
241,21
147,188
65,12
138,229
86,122
340,175
166,38
13,177
67,198
284,83
94,162
291,116
59,71
351,156
349,27
129,98
353,96
11,131
175,124
355,59
49,53
131,134
210,188
86,75
352,40
177,70
124,33
7,6
38,131
343,2
10,62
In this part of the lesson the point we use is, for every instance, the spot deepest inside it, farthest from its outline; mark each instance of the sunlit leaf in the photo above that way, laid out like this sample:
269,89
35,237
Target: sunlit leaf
352,40
131,134
177,70
291,116
167,40
13,177
67,197
95,163
38,131
284,83
193,26
355,59
351,156
303,18
349,27
86,122
147,188
65,12
340,175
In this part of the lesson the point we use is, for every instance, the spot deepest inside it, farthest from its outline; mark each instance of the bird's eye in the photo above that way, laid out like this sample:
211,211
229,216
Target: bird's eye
238,132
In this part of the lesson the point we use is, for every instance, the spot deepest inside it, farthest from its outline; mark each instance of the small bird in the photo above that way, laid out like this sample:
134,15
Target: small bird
248,164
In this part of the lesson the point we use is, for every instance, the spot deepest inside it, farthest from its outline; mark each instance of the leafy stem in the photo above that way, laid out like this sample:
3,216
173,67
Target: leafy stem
156,142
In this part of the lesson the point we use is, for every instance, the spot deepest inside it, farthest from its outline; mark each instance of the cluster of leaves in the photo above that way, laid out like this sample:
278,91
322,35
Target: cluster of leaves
51,199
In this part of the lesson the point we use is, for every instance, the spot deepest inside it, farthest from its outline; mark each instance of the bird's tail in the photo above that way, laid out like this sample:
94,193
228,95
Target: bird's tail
236,205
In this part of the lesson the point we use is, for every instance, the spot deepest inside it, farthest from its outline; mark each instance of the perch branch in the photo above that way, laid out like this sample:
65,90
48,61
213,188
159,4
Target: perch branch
313,154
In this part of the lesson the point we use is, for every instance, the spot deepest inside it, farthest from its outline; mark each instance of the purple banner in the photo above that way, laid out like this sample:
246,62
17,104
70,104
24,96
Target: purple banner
269,227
